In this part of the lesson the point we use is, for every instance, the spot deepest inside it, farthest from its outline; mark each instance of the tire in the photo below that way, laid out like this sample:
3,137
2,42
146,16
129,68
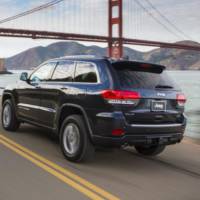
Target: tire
74,139
8,116
150,150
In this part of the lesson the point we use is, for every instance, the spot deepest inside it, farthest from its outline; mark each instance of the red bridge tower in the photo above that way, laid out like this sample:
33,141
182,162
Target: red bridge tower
115,43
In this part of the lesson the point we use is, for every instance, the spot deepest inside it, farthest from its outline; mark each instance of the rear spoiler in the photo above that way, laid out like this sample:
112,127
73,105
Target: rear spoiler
138,66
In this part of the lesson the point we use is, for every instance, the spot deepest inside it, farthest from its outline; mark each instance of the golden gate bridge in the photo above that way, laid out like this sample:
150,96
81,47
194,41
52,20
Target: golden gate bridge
82,20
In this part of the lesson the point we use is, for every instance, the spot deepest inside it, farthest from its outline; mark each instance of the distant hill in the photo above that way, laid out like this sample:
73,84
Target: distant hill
175,59
172,58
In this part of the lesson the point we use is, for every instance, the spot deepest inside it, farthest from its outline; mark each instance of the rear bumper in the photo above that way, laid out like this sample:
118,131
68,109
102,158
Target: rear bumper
139,134
161,139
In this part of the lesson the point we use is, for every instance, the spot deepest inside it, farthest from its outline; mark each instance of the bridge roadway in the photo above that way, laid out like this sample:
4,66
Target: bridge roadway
32,167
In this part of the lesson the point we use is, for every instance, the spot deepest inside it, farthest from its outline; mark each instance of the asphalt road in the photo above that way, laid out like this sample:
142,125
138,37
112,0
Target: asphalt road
44,173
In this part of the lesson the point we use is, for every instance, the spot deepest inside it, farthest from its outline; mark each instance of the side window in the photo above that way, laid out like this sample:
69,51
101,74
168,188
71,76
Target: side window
85,72
64,72
43,73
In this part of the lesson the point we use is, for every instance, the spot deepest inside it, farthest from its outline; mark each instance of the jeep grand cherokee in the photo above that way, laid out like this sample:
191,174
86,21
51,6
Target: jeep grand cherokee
89,102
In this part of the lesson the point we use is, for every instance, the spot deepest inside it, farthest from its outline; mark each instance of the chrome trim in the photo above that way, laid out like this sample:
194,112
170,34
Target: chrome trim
22,105
156,125
105,114
159,110
75,63
161,94
24,108
78,57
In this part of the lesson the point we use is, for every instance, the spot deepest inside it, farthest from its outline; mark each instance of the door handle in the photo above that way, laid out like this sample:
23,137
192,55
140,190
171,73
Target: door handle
37,87
64,88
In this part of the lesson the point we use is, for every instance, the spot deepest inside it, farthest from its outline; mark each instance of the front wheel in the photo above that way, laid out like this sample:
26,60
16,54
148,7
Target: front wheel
8,117
150,150
74,139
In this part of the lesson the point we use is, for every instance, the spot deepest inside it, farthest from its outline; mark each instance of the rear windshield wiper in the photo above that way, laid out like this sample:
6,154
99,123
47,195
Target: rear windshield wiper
164,86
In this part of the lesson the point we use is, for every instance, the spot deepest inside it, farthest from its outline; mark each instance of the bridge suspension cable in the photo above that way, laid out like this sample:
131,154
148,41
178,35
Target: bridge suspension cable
36,9
167,20
157,20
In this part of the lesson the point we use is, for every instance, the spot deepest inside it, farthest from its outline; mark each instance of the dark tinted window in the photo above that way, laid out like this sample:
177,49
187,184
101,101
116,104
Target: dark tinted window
85,72
43,73
144,78
64,72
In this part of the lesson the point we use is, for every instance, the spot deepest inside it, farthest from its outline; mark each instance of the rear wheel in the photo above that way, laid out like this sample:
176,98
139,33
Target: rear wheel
74,139
150,150
8,117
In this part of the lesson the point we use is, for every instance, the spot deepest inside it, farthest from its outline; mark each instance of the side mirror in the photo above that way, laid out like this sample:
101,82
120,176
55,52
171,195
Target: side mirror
24,76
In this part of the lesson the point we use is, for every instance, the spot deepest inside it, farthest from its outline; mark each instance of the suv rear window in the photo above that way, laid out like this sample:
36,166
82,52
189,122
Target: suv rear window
85,72
144,77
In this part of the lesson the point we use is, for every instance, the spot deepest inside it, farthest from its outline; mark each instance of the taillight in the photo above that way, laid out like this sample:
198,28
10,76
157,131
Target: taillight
120,96
181,99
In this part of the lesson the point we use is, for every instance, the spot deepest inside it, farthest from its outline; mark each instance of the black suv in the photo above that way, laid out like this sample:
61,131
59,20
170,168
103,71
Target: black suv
90,102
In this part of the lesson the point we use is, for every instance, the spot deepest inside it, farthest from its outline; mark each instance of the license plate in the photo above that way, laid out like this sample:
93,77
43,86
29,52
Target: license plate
157,106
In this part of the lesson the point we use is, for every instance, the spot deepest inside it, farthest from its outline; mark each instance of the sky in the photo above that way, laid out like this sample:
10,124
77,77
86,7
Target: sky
78,16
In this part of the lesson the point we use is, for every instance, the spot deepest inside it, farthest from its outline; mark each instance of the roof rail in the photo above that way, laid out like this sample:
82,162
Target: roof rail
80,56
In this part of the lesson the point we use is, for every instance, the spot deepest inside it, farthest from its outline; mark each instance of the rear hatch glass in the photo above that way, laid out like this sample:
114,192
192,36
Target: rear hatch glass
143,76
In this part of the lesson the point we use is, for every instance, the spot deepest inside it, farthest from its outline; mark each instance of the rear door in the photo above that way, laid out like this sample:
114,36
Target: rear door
55,91
85,80
157,104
